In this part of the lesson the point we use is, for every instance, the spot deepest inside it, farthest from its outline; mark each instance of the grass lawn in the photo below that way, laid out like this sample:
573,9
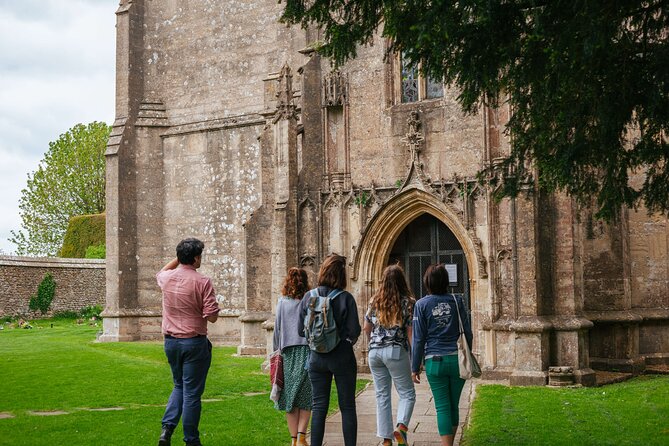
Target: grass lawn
115,393
635,412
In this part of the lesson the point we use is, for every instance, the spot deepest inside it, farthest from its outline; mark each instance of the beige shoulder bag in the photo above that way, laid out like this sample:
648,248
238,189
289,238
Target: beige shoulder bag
467,363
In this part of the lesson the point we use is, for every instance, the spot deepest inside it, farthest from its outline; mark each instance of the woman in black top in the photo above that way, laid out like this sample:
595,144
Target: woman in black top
339,363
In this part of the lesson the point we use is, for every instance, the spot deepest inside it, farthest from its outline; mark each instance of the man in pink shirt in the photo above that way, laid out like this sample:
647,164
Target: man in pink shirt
188,303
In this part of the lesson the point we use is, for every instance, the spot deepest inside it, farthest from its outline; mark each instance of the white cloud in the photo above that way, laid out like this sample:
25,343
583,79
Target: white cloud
14,170
56,70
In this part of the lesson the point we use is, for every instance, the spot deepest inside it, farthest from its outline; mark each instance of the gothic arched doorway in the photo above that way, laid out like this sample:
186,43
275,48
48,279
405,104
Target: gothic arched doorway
425,241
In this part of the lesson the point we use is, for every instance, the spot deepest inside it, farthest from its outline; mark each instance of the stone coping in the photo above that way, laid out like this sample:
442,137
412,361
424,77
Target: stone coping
255,316
538,324
155,312
251,119
632,315
130,312
51,262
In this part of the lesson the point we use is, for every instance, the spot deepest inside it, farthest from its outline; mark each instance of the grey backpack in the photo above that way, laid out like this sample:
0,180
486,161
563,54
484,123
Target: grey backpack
320,327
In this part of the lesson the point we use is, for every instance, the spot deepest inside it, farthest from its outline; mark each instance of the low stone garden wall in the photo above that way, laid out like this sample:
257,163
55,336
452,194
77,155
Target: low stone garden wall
79,283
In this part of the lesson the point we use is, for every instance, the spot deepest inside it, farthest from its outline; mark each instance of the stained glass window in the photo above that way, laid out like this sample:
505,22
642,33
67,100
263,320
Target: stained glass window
414,87
409,81
433,88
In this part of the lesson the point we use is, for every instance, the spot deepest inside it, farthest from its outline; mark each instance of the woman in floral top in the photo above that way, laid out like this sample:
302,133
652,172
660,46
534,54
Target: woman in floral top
388,324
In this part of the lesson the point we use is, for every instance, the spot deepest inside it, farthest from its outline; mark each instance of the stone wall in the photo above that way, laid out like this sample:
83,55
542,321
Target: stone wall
79,283
184,156
231,129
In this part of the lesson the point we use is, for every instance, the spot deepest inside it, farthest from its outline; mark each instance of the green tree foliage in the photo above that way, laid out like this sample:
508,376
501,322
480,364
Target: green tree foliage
587,81
83,232
45,292
69,181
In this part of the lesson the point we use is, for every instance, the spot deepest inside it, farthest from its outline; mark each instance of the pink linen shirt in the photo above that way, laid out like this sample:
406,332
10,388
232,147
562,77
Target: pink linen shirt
188,299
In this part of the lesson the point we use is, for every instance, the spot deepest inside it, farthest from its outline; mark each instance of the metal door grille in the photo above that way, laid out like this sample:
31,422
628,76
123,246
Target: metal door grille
425,241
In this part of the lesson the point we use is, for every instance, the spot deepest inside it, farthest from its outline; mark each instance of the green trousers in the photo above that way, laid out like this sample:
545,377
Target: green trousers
444,378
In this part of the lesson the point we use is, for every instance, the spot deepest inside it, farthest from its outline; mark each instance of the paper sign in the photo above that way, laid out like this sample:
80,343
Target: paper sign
452,270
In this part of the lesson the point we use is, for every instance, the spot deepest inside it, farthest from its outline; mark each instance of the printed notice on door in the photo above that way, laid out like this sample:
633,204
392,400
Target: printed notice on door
452,269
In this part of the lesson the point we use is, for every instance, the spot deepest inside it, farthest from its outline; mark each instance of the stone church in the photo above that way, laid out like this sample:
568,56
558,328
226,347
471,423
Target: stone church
231,129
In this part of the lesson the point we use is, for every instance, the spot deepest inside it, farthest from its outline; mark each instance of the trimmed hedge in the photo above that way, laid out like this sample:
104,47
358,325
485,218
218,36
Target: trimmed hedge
83,231
96,252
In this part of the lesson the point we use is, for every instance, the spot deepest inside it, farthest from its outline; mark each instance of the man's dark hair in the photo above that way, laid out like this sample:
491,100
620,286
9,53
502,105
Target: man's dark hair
188,249
435,279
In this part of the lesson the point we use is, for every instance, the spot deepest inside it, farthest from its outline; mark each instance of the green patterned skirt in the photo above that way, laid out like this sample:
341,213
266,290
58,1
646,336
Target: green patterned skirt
297,387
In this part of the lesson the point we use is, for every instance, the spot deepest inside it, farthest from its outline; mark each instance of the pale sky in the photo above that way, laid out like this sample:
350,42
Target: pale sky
57,62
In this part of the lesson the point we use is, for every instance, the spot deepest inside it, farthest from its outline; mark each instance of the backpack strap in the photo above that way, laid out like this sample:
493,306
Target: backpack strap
331,296
334,293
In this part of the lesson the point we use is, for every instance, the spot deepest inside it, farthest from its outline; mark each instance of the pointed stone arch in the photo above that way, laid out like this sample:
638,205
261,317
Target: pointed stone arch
386,225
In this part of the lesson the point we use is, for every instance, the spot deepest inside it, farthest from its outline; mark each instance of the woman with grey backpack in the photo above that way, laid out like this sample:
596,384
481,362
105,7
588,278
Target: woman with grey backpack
329,321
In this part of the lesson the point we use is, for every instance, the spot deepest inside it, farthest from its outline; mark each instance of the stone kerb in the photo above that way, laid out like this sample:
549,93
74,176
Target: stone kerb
79,283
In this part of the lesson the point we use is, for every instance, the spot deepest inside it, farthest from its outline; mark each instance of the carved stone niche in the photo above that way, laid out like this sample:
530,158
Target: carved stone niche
334,102
334,91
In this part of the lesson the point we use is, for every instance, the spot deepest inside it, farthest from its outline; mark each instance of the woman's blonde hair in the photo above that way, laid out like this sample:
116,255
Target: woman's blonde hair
296,283
387,301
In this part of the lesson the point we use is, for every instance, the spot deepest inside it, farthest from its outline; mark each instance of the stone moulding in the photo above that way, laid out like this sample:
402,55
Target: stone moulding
124,6
306,202
539,324
334,199
308,259
255,316
130,312
251,119
570,323
116,136
386,224
480,258
438,191
140,312
633,315
152,113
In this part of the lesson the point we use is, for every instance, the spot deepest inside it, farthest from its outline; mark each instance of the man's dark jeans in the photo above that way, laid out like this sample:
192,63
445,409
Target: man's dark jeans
190,360
339,363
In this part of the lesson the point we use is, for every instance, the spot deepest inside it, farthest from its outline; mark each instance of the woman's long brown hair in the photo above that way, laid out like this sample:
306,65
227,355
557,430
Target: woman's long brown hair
333,272
296,283
387,300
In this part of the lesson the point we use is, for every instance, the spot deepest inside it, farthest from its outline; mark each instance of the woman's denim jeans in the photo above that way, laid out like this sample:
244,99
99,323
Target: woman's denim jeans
189,359
391,364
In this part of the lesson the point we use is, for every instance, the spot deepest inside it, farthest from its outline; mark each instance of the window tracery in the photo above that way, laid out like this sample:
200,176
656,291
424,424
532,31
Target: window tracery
413,85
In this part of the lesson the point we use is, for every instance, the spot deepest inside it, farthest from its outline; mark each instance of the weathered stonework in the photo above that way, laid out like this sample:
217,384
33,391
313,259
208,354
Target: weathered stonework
79,283
231,130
